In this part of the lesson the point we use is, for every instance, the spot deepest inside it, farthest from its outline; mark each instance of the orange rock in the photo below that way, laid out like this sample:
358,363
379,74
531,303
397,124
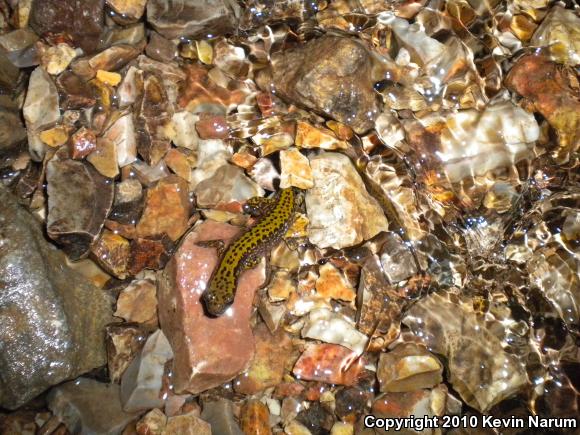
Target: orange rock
329,363
55,137
255,418
267,367
198,89
112,252
332,284
166,210
553,91
150,254
179,163
308,136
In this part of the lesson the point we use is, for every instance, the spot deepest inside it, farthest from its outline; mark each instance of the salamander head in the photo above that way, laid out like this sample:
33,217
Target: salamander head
216,301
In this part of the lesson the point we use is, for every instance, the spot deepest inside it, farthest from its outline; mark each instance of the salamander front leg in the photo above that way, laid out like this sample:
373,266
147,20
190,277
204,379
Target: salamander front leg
217,244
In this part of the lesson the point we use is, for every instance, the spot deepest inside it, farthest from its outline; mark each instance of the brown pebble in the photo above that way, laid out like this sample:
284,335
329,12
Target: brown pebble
82,143
255,418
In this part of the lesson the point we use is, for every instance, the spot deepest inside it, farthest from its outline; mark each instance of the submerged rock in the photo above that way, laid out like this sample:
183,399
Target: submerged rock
52,319
341,211
329,363
76,209
40,109
83,20
86,406
330,75
452,328
166,210
220,415
142,381
192,18
267,367
551,90
408,367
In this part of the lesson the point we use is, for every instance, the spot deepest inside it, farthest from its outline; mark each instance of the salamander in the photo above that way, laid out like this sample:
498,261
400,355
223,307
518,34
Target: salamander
275,216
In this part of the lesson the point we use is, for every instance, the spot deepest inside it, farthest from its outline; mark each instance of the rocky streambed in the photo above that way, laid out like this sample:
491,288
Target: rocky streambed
428,266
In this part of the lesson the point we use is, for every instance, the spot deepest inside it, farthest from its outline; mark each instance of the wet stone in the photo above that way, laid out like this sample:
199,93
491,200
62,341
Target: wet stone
76,210
142,381
437,319
152,423
129,9
153,114
86,406
328,363
310,74
166,210
82,143
41,109
316,419
192,18
255,418
220,415
112,252
122,134
212,127
408,367
55,59
57,318
123,343
350,403
187,424
199,364
229,184
340,210
83,20
267,367
104,158
138,302
552,90
12,132
161,49
19,47
150,254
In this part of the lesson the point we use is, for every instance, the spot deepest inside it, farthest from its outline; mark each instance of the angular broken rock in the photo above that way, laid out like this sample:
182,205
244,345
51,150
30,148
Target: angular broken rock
141,383
124,341
83,20
330,75
40,109
199,364
408,367
341,211
192,18
79,200
52,319
166,209
267,367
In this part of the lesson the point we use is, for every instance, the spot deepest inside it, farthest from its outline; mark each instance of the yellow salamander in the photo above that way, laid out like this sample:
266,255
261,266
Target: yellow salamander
276,215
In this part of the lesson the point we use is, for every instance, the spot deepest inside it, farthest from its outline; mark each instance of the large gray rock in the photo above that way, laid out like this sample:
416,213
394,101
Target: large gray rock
51,320
193,18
